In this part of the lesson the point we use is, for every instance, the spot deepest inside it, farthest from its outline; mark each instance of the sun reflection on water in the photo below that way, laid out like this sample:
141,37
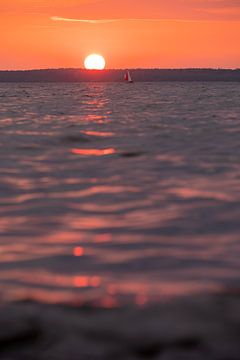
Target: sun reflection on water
94,152
98,133
78,251
86,281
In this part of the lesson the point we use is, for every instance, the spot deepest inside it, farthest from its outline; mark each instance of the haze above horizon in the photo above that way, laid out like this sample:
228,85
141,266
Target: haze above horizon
150,34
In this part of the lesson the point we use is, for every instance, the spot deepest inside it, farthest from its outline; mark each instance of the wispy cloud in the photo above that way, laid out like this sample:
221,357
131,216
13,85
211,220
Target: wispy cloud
88,21
106,21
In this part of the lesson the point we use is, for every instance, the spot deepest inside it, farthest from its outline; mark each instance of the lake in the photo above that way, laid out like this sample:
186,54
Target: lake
119,193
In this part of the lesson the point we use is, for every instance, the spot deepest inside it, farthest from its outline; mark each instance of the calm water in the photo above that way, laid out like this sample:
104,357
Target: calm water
119,193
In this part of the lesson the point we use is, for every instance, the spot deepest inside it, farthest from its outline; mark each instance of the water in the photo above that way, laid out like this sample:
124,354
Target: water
118,193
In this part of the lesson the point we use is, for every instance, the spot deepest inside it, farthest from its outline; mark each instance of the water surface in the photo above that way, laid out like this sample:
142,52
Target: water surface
117,192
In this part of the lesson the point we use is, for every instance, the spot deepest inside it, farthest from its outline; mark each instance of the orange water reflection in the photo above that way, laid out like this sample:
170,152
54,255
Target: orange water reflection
101,290
98,133
78,251
94,152
189,193
97,118
51,279
86,281
81,281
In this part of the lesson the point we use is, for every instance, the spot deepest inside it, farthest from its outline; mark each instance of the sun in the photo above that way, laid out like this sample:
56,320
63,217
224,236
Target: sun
94,62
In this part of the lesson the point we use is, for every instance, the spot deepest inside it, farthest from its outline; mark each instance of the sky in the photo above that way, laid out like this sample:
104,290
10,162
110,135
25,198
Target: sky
128,33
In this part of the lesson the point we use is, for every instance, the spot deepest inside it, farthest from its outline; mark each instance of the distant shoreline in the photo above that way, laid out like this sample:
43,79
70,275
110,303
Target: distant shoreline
116,75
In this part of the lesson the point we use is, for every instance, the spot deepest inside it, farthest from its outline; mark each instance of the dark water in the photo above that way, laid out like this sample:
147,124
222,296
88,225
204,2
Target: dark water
117,192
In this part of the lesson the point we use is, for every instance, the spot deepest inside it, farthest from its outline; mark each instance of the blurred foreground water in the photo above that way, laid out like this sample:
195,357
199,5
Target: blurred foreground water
117,193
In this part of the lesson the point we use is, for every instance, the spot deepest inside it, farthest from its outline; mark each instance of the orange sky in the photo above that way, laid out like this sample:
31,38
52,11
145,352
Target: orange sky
141,33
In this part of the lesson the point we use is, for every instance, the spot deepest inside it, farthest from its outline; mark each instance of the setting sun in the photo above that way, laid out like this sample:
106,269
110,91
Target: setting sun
94,62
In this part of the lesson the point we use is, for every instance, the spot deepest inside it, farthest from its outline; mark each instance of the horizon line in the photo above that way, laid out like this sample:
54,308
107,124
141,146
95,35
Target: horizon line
123,69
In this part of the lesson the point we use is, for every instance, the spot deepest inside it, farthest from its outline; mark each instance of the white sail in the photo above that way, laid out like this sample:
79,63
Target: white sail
128,77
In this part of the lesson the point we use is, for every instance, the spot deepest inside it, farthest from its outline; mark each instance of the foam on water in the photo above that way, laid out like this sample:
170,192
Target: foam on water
119,193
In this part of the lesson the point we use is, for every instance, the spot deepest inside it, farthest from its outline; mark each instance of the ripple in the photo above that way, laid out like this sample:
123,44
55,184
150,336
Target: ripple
108,193
75,138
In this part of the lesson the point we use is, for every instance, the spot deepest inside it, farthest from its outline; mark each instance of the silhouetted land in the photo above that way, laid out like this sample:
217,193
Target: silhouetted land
81,75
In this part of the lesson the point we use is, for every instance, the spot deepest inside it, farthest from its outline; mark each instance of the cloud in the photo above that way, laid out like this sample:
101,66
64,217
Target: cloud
106,21
88,21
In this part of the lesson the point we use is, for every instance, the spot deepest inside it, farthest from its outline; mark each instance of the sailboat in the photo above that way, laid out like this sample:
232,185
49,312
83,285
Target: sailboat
127,77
